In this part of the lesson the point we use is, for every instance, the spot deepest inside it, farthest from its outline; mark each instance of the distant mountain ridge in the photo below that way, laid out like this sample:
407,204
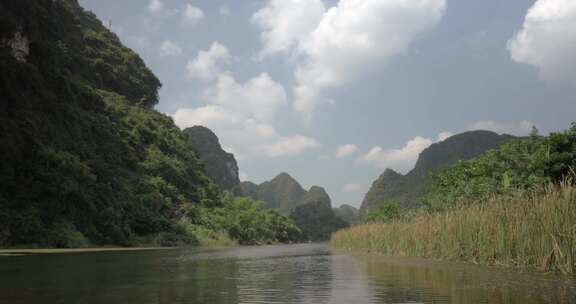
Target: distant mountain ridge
408,190
220,165
311,210
284,193
347,213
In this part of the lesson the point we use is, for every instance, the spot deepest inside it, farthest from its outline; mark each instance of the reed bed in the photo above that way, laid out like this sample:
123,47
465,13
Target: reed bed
535,230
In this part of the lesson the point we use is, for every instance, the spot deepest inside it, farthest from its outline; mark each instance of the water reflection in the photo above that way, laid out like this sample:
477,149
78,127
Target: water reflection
271,274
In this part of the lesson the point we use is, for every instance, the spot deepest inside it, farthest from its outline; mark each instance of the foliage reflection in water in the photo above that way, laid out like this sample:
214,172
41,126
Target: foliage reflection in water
309,273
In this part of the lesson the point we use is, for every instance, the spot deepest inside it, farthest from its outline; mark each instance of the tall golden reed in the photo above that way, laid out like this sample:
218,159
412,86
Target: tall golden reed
524,230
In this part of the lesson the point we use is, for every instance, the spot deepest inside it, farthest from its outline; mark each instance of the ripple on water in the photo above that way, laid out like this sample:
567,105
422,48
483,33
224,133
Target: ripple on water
308,273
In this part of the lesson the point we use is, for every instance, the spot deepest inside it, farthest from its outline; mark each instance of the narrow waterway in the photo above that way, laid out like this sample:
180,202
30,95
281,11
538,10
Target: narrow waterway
310,273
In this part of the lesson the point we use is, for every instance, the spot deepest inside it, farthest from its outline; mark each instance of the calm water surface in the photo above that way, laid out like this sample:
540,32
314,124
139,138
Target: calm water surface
309,273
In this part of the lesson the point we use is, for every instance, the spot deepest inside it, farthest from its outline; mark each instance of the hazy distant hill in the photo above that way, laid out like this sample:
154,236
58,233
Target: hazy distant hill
220,165
347,213
311,210
407,190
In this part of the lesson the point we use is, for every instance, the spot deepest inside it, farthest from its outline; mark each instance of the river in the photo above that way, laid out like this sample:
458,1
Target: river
307,273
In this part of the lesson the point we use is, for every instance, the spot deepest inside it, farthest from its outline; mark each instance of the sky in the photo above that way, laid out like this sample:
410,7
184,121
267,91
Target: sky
335,91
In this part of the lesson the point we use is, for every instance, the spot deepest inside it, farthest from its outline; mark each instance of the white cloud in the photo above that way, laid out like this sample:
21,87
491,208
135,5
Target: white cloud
224,11
240,112
209,115
243,176
355,36
548,40
245,136
285,22
351,188
444,135
155,6
346,150
192,14
289,146
170,48
338,45
522,128
206,65
258,98
401,159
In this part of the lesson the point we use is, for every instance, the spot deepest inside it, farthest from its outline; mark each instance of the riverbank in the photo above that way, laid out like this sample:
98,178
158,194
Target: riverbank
35,251
526,231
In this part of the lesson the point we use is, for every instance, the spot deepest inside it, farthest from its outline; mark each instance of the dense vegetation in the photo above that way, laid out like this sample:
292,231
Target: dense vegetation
243,220
83,157
410,190
523,164
512,206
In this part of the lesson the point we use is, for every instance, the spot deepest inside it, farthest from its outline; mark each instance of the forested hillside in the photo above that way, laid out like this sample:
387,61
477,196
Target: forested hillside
409,191
84,159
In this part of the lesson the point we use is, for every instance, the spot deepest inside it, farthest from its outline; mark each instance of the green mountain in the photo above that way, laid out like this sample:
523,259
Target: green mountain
220,165
408,190
347,213
282,192
311,210
83,156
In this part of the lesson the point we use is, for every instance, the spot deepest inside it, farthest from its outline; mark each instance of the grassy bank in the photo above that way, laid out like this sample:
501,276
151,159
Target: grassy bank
524,230
13,252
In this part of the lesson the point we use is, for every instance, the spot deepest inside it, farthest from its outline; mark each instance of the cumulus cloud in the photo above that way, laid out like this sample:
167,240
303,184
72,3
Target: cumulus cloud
206,65
224,11
351,188
240,112
444,135
155,6
356,35
289,146
339,44
246,136
285,22
258,98
157,9
170,48
399,159
403,158
547,40
192,15
346,150
522,128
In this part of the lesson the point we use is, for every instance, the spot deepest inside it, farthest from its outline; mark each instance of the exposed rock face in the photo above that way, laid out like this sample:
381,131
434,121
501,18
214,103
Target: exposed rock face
408,190
220,165
20,46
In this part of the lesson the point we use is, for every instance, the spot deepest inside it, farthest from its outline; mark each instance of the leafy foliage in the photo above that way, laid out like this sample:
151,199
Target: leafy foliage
317,221
526,163
246,221
410,190
388,212
83,157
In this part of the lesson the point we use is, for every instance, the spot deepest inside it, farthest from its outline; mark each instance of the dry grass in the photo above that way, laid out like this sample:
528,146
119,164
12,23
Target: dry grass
526,231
